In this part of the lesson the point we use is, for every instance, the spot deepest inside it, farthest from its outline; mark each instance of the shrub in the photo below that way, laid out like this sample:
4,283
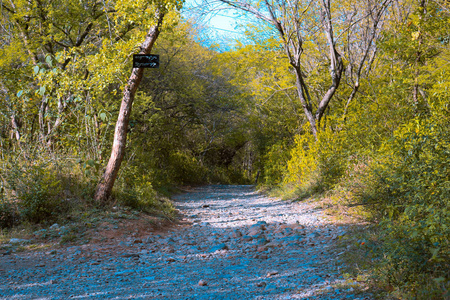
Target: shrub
31,191
408,190
134,189
185,168
317,165
275,164
8,213
38,194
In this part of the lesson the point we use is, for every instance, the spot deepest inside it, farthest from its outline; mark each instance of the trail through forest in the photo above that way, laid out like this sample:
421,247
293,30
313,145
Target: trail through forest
232,243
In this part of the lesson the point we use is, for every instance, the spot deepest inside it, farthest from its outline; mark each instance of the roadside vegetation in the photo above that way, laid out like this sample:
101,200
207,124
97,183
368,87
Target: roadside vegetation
350,109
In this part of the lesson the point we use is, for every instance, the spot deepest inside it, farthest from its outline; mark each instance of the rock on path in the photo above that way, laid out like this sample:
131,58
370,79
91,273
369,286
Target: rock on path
241,245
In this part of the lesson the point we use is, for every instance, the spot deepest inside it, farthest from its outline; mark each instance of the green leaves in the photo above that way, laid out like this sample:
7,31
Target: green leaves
48,60
409,181
103,116
41,91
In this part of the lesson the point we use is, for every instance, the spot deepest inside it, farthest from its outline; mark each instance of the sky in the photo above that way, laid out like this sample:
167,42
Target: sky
221,24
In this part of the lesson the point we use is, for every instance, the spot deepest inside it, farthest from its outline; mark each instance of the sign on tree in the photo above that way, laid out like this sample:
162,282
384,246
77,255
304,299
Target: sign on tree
145,61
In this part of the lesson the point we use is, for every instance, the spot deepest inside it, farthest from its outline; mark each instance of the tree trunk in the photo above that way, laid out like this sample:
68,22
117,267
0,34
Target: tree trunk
285,17
105,186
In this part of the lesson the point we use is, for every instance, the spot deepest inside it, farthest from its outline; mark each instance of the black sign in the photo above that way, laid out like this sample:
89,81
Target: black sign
145,61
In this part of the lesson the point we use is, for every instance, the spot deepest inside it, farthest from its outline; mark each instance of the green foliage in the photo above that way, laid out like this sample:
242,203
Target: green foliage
188,120
317,165
38,192
32,191
185,168
8,213
206,117
408,189
134,190
275,162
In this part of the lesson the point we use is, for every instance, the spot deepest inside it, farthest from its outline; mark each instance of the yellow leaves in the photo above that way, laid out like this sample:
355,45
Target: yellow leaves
415,35
145,13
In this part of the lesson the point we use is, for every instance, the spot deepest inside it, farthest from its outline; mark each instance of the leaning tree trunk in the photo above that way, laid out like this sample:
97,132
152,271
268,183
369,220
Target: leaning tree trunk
105,186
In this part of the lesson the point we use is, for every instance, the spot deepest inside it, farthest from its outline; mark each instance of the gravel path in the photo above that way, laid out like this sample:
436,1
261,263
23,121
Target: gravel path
239,245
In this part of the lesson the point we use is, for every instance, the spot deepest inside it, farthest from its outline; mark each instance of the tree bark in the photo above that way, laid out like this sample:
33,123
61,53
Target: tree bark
106,183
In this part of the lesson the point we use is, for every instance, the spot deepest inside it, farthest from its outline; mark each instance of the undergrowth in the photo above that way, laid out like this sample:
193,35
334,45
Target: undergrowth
402,189
41,189
407,190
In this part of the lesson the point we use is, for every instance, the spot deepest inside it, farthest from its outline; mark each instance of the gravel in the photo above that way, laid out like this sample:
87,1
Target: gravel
240,244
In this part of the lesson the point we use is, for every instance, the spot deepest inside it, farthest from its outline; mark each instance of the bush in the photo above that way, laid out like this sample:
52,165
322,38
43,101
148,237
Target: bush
317,165
38,193
185,168
134,189
408,190
31,192
8,213
275,164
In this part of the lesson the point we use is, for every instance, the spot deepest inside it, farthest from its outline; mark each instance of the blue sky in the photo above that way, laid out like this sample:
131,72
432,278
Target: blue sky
220,23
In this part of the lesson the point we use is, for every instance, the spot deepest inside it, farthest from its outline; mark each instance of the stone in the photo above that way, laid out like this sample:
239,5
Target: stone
270,286
124,273
257,229
261,248
18,241
261,264
132,255
254,232
314,234
262,241
151,278
168,250
236,234
218,247
247,238
5,252
272,244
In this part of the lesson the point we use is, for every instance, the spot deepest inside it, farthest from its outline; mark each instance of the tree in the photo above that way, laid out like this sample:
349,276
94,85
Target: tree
106,183
295,24
302,33
189,118
39,41
416,37
364,24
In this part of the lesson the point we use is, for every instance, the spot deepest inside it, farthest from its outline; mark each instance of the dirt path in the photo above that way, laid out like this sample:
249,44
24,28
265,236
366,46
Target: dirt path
235,244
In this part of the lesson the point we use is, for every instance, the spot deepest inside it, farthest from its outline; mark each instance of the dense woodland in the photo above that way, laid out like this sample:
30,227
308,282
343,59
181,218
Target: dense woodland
340,99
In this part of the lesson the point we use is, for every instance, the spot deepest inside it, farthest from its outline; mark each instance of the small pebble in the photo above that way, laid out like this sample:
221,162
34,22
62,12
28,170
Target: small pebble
272,273
241,254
